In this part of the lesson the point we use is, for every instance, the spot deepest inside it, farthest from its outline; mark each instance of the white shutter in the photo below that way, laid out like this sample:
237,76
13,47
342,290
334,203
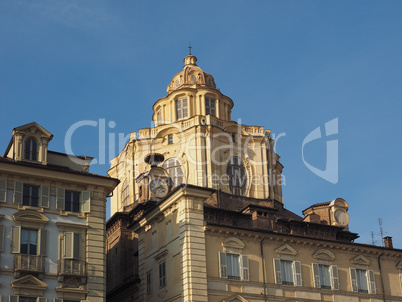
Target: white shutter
245,272
18,188
44,196
15,237
277,271
316,275
222,265
371,281
184,106
68,244
333,270
42,250
85,201
1,238
13,298
353,279
297,274
60,198
3,190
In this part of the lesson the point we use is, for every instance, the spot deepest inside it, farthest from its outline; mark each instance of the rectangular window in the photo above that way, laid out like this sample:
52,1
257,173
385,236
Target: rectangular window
234,266
160,120
72,245
287,272
210,106
325,276
170,139
25,299
233,137
149,282
72,201
30,196
181,108
29,242
363,281
162,274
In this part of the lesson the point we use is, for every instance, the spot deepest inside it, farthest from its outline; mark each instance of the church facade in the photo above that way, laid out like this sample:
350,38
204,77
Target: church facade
199,216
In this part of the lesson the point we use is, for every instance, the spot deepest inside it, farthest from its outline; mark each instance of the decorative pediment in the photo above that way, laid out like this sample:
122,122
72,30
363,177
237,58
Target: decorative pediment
286,250
233,244
235,298
30,217
324,255
29,285
399,265
361,260
34,128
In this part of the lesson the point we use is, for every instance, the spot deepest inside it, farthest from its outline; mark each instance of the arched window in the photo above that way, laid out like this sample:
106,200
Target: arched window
125,194
31,149
173,167
237,176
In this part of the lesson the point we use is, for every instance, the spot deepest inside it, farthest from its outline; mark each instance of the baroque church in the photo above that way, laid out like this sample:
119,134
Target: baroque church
198,215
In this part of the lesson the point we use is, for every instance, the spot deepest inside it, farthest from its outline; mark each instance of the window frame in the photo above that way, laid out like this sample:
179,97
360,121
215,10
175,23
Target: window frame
296,272
369,278
30,196
175,170
162,274
210,106
31,154
237,184
181,108
125,194
243,266
71,203
149,282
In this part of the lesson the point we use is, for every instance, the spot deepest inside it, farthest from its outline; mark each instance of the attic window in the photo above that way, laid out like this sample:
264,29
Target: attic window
31,149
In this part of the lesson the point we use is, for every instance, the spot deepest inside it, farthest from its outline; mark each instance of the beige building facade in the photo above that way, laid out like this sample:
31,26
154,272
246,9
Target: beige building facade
52,222
199,216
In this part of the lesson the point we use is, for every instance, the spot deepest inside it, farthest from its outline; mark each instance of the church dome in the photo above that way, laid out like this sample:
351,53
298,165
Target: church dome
190,76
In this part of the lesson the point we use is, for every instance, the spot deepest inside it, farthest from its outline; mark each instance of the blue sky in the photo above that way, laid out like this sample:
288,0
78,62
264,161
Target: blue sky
290,66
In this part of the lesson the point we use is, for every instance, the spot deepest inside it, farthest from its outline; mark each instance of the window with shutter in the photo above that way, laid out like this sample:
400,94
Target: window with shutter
353,279
1,238
18,187
44,196
181,108
371,281
277,271
325,278
13,298
297,273
149,282
222,265
3,190
72,245
162,274
237,176
334,277
210,106
85,201
316,275
60,195
173,167
362,281
245,268
15,237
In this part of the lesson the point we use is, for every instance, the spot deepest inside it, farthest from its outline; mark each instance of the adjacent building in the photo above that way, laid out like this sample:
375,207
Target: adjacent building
52,222
199,216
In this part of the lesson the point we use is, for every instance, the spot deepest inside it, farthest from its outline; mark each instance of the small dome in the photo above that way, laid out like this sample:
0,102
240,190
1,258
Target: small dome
190,75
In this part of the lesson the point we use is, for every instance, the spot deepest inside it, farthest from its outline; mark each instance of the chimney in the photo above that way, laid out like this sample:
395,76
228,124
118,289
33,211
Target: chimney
388,242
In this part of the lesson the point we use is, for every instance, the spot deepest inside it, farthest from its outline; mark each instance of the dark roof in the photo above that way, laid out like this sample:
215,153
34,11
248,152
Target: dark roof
319,204
52,167
69,155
